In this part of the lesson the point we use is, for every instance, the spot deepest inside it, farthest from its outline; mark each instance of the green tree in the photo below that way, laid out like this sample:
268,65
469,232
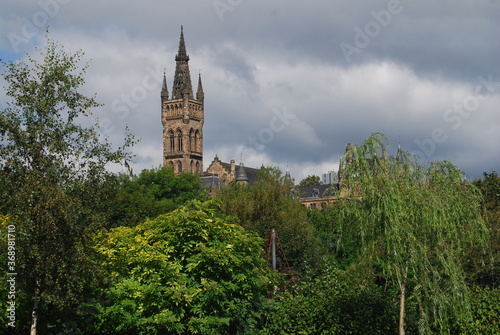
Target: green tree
51,166
412,225
488,274
267,205
310,181
151,193
327,302
191,271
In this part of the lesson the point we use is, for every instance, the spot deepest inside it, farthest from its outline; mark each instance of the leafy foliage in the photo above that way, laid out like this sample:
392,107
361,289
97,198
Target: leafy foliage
310,181
268,204
485,305
151,193
190,271
488,273
51,167
412,226
329,303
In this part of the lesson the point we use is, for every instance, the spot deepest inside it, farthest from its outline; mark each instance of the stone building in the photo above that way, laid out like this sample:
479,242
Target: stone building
182,117
228,172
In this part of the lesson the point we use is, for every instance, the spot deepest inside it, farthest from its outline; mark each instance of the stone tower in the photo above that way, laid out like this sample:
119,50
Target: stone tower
182,117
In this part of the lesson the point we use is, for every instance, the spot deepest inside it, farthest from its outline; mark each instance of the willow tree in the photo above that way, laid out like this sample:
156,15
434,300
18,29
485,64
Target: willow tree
51,167
413,224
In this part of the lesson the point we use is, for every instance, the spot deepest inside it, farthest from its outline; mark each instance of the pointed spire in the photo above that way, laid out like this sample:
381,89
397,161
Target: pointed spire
199,93
182,77
241,176
182,54
399,154
164,90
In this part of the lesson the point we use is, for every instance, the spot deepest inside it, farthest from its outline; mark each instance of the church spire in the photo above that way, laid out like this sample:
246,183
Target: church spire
182,77
199,93
182,54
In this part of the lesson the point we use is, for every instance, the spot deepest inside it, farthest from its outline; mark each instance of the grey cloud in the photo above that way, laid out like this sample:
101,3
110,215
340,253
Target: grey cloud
268,55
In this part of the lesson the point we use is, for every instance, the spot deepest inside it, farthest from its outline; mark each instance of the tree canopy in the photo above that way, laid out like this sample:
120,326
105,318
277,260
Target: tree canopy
268,205
133,199
50,166
310,181
193,271
412,225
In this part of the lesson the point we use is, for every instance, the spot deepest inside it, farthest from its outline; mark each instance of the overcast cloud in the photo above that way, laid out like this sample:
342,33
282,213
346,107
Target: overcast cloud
285,81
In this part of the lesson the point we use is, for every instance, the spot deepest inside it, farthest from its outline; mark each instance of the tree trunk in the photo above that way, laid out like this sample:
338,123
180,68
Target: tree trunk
402,288
34,314
402,312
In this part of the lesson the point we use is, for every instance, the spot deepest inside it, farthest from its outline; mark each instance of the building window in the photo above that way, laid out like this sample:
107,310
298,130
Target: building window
197,141
172,141
191,140
179,167
198,168
179,140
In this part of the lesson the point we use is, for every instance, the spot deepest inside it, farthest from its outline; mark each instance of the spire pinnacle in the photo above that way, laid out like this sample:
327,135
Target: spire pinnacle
199,93
181,53
182,77
164,90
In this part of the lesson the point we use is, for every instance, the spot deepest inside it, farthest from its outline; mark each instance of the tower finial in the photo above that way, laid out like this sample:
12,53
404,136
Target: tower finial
164,90
199,93
181,53
182,77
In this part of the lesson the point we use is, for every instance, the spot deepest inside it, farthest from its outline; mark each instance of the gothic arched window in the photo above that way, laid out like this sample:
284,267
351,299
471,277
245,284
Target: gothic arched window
179,167
191,140
197,142
172,141
198,168
179,140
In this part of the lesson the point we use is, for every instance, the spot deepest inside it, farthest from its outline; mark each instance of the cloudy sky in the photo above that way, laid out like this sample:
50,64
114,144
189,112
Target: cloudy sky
288,82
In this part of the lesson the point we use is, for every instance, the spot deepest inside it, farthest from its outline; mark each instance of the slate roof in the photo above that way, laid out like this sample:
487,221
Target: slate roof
213,182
